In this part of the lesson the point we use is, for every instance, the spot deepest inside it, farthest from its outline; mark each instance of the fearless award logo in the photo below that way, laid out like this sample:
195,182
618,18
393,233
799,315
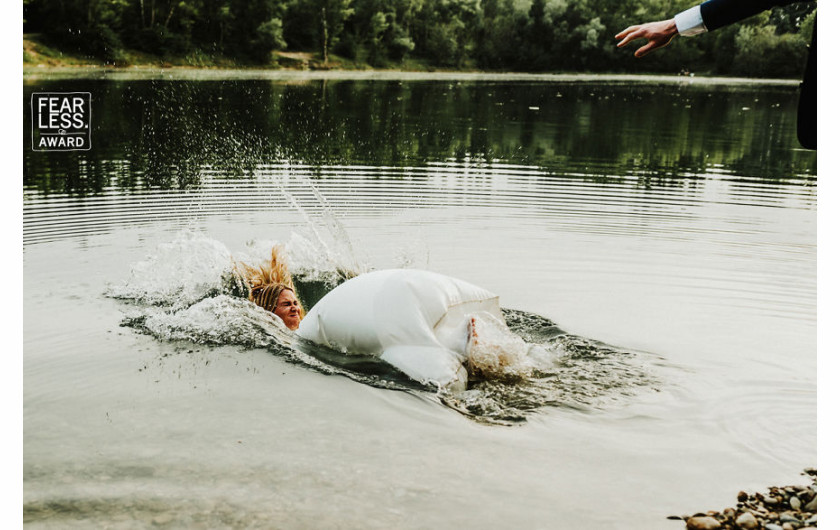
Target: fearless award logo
60,121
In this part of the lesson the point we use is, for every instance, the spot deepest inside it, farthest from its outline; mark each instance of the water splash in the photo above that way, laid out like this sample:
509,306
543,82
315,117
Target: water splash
226,320
563,370
337,250
178,274
185,291
495,353
341,238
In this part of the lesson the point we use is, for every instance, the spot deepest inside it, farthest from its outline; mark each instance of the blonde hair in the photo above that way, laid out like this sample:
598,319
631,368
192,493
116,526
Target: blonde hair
267,280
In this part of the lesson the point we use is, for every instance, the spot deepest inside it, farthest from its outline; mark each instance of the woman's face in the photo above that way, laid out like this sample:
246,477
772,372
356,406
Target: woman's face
288,309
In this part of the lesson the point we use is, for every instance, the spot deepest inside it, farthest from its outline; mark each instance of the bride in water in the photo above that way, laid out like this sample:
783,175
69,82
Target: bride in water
434,328
270,286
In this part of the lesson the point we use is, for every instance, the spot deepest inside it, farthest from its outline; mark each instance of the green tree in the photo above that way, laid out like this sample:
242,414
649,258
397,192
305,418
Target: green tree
447,30
761,52
269,37
333,15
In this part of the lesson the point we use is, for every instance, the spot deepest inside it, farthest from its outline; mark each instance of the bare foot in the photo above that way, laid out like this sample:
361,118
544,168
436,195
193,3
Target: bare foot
472,333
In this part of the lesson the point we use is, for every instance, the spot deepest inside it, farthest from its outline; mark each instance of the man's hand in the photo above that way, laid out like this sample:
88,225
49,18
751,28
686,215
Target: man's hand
658,34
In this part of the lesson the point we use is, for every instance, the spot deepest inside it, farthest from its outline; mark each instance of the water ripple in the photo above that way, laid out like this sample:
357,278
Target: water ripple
518,192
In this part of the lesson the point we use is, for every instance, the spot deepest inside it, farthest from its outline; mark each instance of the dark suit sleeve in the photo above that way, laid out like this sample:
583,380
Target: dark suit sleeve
719,13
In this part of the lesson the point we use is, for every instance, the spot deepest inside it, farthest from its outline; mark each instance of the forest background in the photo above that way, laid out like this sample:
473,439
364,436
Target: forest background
488,35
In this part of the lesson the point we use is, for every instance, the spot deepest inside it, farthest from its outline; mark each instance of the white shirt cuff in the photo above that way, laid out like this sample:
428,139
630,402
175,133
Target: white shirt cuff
690,22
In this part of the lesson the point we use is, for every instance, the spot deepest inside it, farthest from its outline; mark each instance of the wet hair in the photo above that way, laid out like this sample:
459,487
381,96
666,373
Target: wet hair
268,280
266,296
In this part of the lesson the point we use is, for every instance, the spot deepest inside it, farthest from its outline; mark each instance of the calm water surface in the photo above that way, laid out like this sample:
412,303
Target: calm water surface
670,224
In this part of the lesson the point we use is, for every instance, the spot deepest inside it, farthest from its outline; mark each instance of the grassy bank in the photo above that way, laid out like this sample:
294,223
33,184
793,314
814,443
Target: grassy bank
38,52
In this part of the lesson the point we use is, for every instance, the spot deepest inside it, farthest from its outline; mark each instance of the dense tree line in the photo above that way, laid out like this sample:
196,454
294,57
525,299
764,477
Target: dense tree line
511,35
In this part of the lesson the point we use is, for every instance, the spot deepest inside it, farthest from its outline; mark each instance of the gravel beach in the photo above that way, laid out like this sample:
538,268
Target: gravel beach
781,508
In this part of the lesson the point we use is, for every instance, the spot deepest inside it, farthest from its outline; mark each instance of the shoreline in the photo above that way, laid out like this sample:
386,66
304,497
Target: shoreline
279,74
42,60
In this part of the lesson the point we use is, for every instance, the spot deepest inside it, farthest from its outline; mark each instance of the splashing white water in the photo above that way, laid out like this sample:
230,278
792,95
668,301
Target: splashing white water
185,290
494,352
336,249
225,320
310,263
178,273
218,320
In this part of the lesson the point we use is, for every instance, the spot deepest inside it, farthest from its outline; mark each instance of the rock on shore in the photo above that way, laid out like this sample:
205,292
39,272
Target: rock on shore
781,508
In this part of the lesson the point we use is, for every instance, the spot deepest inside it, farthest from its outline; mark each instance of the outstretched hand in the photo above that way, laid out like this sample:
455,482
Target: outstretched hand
658,34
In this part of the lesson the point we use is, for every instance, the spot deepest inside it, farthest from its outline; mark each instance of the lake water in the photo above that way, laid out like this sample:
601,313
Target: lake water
666,225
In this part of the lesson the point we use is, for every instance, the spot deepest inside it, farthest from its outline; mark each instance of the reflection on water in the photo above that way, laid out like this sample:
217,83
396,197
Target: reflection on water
168,134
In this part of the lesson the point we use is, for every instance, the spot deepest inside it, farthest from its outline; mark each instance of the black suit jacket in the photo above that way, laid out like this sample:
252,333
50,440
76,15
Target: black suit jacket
719,13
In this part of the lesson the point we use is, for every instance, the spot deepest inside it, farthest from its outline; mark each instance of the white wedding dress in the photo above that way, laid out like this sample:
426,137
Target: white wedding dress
418,321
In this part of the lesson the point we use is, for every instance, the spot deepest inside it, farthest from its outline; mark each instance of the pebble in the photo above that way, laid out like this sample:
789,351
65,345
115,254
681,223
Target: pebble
780,508
761,511
746,521
702,523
